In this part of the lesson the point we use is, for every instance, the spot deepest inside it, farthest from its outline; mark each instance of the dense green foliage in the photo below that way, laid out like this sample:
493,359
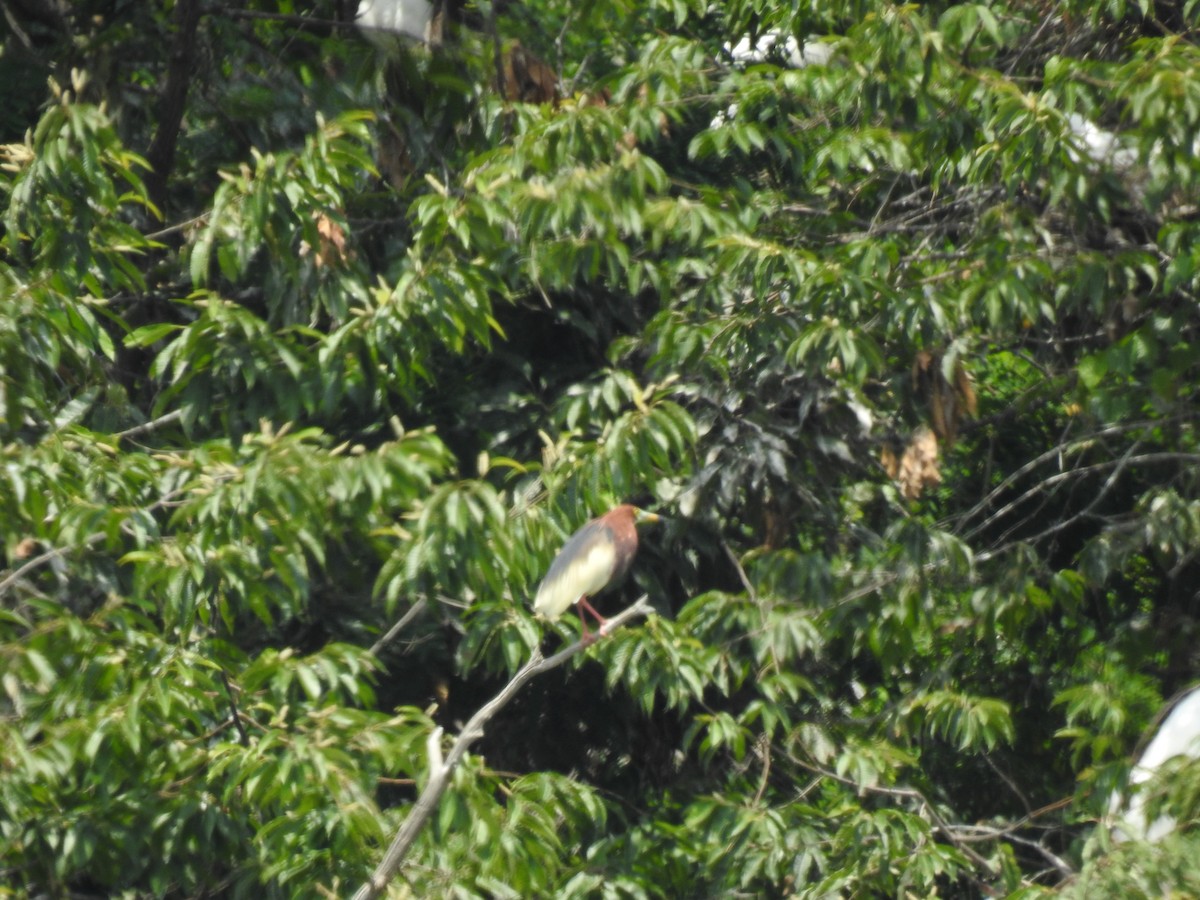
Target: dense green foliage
297,341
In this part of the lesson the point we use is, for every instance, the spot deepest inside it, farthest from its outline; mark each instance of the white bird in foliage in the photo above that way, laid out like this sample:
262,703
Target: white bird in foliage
774,45
1178,735
381,21
1101,147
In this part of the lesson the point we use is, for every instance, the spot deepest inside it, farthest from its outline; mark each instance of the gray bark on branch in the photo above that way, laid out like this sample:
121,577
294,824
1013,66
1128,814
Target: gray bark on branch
440,770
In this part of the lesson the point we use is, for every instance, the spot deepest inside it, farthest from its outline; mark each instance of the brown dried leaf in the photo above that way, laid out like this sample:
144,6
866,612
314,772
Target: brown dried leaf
966,390
527,78
664,126
921,363
943,413
890,461
601,97
332,249
775,526
948,404
331,242
919,464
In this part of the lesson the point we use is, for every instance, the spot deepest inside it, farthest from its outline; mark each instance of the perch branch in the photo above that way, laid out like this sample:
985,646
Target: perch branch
439,774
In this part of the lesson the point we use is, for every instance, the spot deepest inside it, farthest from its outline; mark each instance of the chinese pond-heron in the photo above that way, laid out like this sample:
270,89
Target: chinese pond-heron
596,556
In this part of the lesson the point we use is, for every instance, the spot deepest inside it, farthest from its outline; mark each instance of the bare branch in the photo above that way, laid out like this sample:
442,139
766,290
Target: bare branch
172,103
741,572
1118,464
312,23
1007,779
904,793
413,611
763,750
968,833
40,560
55,552
154,424
439,775
178,226
234,715
1053,453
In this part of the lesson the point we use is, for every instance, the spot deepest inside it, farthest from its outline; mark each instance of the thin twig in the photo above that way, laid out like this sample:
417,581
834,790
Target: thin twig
154,424
178,226
1119,467
1119,464
233,710
441,771
243,737
764,753
1007,779
16,29
752,595
971,833
43,558
413,611
741,572
13,577
568,21
1032,41
1064,447
301,21
939,824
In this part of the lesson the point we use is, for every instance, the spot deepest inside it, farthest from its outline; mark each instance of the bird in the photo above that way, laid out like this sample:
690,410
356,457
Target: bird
390,24
386,23
596,556
775,45
1177,735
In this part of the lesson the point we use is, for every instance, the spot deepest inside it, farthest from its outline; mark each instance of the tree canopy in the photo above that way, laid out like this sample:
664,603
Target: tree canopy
313,352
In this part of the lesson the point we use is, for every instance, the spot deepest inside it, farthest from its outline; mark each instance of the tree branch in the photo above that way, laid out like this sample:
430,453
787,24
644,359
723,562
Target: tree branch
234,714
311,23
1069,446
55,552
41,559
968,833
166,419
173,101
413,611
903,793
1117,466
440,771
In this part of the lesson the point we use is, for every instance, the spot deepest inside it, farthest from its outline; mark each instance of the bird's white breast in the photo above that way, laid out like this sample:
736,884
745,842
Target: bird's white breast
583,577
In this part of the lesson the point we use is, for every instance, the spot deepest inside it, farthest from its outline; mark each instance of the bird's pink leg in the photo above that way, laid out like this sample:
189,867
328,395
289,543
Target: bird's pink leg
588,637
583,601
